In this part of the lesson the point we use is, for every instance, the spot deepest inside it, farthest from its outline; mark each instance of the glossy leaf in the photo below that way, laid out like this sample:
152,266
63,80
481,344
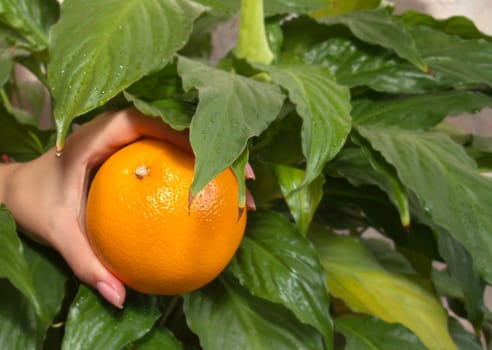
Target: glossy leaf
355,63
460,267
346,6
6,65
20,326
391,183
13,264
176,114
251,322
19,141
323,105
118,43
365,286
453,194
363,332
30,20
455,25
465,61
92,323
378,27
231,110
276,263
419,112
388,257
158,338
302,201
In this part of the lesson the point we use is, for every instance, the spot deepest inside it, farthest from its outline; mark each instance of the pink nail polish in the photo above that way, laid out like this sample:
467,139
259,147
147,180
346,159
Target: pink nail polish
109,293
249,173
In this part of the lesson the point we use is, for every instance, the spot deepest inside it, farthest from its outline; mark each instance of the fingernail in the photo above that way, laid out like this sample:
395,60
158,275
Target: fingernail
250,174
250,201
110,294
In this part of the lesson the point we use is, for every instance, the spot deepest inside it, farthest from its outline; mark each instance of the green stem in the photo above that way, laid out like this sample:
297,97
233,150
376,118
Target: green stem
252,40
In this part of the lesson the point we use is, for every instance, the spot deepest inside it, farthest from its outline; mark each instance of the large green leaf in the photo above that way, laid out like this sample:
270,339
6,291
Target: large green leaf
356,277
231,110
30,19
6,65
92,323
447,184
378,27
158,338
454,25
355,63
363,332
419,112
271,6
461,269
20,326
465,60
117,43
324,107
276,263
13,264
226,316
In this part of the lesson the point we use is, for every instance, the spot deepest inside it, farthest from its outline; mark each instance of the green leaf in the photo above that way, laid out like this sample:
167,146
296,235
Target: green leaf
302,200
338,7
276,263
455,25
231,109
355,63
30,19
378,27
158,338
447,184
391,184
21,142
460,267
363,332
419,112
251,322
462,338
117,44
239,169
13,264
357,278
94,324
6,65
388,257
20,326
174,113
465,61
272,7
324,107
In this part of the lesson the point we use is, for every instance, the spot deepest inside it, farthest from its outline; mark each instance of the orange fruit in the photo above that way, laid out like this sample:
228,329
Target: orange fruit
140,225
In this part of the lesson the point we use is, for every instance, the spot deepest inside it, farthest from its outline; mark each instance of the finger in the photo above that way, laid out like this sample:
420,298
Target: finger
250,174
101,137
75,249
250,201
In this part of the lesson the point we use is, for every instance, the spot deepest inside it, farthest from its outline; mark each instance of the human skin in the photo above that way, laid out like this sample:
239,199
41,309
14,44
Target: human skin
47,195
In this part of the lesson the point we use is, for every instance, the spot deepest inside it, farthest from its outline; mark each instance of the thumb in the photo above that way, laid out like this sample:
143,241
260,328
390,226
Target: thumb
77,252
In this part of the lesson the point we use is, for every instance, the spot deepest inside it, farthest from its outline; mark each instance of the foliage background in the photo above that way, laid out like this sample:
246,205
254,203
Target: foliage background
344,129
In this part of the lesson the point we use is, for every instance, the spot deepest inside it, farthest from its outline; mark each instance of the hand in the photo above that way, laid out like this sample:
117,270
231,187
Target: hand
47,196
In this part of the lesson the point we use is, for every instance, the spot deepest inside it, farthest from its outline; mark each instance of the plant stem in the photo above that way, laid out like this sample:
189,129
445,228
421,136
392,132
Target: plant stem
252,41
